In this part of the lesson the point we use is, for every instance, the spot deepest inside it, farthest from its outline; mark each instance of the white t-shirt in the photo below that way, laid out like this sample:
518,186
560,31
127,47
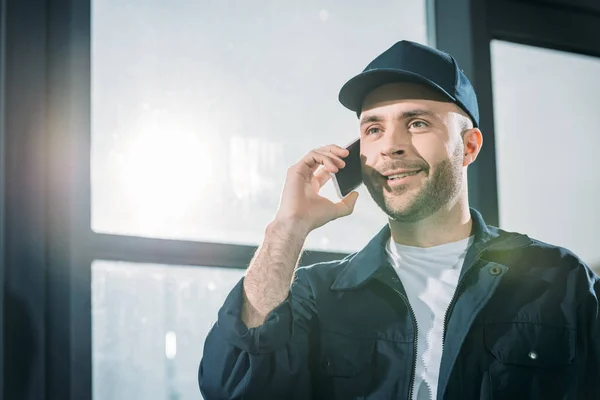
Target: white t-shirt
429,276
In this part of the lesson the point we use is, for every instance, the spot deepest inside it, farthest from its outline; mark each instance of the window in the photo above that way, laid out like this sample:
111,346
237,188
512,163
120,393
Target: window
546,105
148,327
198,109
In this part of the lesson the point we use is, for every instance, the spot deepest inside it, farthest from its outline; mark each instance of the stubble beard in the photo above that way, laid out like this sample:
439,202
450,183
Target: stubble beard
438,192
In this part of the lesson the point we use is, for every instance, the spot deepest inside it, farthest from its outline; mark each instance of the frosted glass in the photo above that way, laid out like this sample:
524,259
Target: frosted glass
149,323
548,145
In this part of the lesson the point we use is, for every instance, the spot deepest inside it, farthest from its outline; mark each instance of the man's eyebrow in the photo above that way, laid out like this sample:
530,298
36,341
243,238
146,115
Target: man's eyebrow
416,113
403,115
370,118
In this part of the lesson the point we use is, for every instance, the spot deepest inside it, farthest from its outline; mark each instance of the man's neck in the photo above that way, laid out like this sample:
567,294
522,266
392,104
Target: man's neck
445,226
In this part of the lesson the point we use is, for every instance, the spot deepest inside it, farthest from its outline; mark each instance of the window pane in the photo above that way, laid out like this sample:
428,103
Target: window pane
546,116
149,323
198,109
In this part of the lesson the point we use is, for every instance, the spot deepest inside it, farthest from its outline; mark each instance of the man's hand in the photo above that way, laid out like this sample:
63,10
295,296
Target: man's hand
301,205
268,278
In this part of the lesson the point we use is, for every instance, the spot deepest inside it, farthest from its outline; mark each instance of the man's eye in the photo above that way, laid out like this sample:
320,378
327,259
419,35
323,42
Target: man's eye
373,131
418,124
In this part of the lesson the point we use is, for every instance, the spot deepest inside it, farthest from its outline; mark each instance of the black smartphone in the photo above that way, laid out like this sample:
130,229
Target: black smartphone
350,177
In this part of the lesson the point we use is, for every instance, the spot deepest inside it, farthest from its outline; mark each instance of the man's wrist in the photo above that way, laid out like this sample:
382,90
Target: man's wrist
288,228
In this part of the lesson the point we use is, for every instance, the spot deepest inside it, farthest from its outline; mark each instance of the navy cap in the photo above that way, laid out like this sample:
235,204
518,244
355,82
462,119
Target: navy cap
407,61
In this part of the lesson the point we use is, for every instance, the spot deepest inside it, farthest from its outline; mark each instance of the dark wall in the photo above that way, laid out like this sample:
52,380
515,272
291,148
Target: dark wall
586,6
24,195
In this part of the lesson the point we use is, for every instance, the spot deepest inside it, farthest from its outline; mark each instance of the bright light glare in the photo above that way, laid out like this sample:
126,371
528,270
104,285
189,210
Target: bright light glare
163,170
170,345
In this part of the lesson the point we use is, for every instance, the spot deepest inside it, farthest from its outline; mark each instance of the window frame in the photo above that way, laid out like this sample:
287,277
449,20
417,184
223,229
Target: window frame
465,29
2,183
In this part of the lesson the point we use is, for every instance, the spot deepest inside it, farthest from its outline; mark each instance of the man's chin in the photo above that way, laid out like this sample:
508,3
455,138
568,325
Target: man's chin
402,204
400,197
393,201
398,209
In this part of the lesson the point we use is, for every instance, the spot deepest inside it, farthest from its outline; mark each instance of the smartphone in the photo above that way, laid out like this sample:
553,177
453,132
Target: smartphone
350,177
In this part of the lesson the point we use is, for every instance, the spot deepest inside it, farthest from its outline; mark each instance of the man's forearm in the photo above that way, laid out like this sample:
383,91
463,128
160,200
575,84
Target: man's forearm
268,278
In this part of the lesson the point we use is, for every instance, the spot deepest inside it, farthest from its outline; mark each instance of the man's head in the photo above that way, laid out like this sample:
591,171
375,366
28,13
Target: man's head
415,147
418,126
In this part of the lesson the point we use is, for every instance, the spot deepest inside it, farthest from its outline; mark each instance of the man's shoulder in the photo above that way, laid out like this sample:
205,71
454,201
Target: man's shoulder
540,254
553,251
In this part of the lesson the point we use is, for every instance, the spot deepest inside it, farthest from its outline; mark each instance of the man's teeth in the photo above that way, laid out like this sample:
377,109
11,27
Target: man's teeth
399,176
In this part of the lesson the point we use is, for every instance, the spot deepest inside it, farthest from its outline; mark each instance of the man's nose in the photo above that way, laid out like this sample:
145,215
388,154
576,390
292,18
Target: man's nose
395,143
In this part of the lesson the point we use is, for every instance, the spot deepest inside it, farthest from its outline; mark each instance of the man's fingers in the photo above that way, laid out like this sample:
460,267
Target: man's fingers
337,160
322,176
331,157
334,149
308,165
346,206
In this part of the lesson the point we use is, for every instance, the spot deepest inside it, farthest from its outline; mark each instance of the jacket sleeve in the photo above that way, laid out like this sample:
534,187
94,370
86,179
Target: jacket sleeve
267,362
591,313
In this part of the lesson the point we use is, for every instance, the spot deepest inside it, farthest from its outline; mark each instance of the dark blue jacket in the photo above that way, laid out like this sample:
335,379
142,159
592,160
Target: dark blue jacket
524,324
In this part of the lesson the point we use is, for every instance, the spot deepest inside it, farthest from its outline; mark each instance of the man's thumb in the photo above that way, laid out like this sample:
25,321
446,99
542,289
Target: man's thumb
346,206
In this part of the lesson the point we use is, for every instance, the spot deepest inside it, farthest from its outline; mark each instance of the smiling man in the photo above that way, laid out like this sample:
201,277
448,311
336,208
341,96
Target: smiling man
438,305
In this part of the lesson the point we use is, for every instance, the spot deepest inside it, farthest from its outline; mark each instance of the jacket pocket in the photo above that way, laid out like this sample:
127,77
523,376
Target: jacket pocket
345,366
530,360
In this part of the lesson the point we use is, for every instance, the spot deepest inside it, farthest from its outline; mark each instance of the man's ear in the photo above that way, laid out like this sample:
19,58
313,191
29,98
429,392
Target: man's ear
472,141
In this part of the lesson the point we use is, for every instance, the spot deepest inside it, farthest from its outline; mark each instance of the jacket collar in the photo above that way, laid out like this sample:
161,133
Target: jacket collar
362,266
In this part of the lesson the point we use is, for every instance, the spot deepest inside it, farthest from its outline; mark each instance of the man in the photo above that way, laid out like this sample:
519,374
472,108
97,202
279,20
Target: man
437,305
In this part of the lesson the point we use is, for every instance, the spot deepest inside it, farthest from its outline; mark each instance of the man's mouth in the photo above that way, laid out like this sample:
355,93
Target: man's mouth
400,178
402,175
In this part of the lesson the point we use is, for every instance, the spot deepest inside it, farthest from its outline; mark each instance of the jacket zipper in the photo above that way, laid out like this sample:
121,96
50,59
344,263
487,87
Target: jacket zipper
448,310
453,300
415,343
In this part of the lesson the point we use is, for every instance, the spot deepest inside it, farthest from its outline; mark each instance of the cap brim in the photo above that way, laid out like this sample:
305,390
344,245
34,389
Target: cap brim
356,89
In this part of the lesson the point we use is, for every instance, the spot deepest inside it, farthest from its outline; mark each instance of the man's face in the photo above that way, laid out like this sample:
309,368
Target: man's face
412,150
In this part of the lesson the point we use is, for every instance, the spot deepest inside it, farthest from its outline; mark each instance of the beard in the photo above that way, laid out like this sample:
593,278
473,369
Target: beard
436,193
